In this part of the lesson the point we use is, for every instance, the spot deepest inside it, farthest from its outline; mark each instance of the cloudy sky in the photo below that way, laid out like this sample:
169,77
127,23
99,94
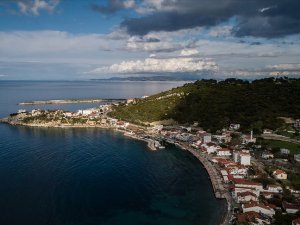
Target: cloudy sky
83,39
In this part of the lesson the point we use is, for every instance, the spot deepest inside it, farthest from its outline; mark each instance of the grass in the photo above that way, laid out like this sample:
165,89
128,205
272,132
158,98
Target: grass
294,148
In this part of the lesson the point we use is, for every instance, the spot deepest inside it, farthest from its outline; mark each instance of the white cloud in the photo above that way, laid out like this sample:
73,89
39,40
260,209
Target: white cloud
155,65
189,52
35,6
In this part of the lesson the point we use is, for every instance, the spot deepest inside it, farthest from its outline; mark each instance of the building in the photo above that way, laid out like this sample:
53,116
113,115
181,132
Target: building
274,188
223,152
297,124
204,137
290,207
267,131
267,155
246,196
259,208
280,174
243,157
21,111
284,151
234,126
210,147
297,158
247,139
252,218
296,221
241,183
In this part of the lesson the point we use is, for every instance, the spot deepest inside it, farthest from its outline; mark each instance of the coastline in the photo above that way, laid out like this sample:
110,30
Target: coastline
220,192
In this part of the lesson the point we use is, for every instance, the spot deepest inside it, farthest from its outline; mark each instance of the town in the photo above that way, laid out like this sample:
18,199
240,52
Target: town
260,183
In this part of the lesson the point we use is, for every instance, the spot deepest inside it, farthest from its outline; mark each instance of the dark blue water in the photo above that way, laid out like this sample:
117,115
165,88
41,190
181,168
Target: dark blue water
93,176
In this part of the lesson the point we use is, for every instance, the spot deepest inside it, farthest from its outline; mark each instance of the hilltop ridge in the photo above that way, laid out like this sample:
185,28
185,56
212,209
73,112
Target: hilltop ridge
215,104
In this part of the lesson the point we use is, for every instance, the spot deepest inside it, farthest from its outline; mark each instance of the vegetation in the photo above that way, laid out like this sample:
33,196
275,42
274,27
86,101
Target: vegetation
274,144
255,105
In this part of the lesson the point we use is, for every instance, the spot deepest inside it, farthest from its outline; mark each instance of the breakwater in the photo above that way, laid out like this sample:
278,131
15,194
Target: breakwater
69,101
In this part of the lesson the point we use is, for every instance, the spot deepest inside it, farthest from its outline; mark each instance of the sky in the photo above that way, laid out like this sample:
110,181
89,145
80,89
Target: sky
90,39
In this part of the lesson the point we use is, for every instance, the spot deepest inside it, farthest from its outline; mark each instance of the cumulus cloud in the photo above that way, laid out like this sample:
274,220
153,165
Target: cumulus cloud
34,7
255,18
189,52
156,65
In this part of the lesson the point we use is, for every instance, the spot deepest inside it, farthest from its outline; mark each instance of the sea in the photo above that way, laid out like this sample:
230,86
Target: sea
93,176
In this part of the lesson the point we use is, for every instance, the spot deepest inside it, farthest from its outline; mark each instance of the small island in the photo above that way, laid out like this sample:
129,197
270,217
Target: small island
246,135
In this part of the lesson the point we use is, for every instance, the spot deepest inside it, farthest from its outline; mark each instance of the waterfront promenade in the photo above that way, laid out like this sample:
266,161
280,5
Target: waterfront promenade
220,191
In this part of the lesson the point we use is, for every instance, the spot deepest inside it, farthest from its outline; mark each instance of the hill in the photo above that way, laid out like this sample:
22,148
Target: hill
215,104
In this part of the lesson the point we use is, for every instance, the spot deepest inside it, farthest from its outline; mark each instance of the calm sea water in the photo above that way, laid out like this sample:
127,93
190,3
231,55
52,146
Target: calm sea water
93,176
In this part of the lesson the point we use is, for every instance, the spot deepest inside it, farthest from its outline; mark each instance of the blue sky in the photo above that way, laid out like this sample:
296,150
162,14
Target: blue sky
82,39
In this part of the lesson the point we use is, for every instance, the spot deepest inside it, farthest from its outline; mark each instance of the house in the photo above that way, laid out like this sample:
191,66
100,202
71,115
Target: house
130,100
223,138
204,137
223,152
267,131
252,218
290,207
267,195
246,196
241,183
234,126
280,174
259,208
296,221
21,111
297,158
284,151
210,147
243,157
267,155
297,124
274,188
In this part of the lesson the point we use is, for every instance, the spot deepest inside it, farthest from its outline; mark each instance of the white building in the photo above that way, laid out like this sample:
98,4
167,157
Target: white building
297,124
246,196
280,175
267,155
234,126
297,158
259,208
210,147
274,188
224,152
290,208
284,151
243,157
22,111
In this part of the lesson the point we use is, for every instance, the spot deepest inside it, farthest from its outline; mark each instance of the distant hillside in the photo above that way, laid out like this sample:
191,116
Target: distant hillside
255,105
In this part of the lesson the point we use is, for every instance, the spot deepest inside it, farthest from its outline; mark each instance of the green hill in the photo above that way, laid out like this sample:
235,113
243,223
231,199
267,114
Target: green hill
255,105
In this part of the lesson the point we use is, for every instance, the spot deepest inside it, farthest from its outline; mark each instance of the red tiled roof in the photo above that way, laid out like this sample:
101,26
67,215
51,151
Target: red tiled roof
248,216
246,193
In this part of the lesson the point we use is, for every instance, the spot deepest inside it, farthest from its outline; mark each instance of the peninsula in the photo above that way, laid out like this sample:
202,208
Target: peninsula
246,135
